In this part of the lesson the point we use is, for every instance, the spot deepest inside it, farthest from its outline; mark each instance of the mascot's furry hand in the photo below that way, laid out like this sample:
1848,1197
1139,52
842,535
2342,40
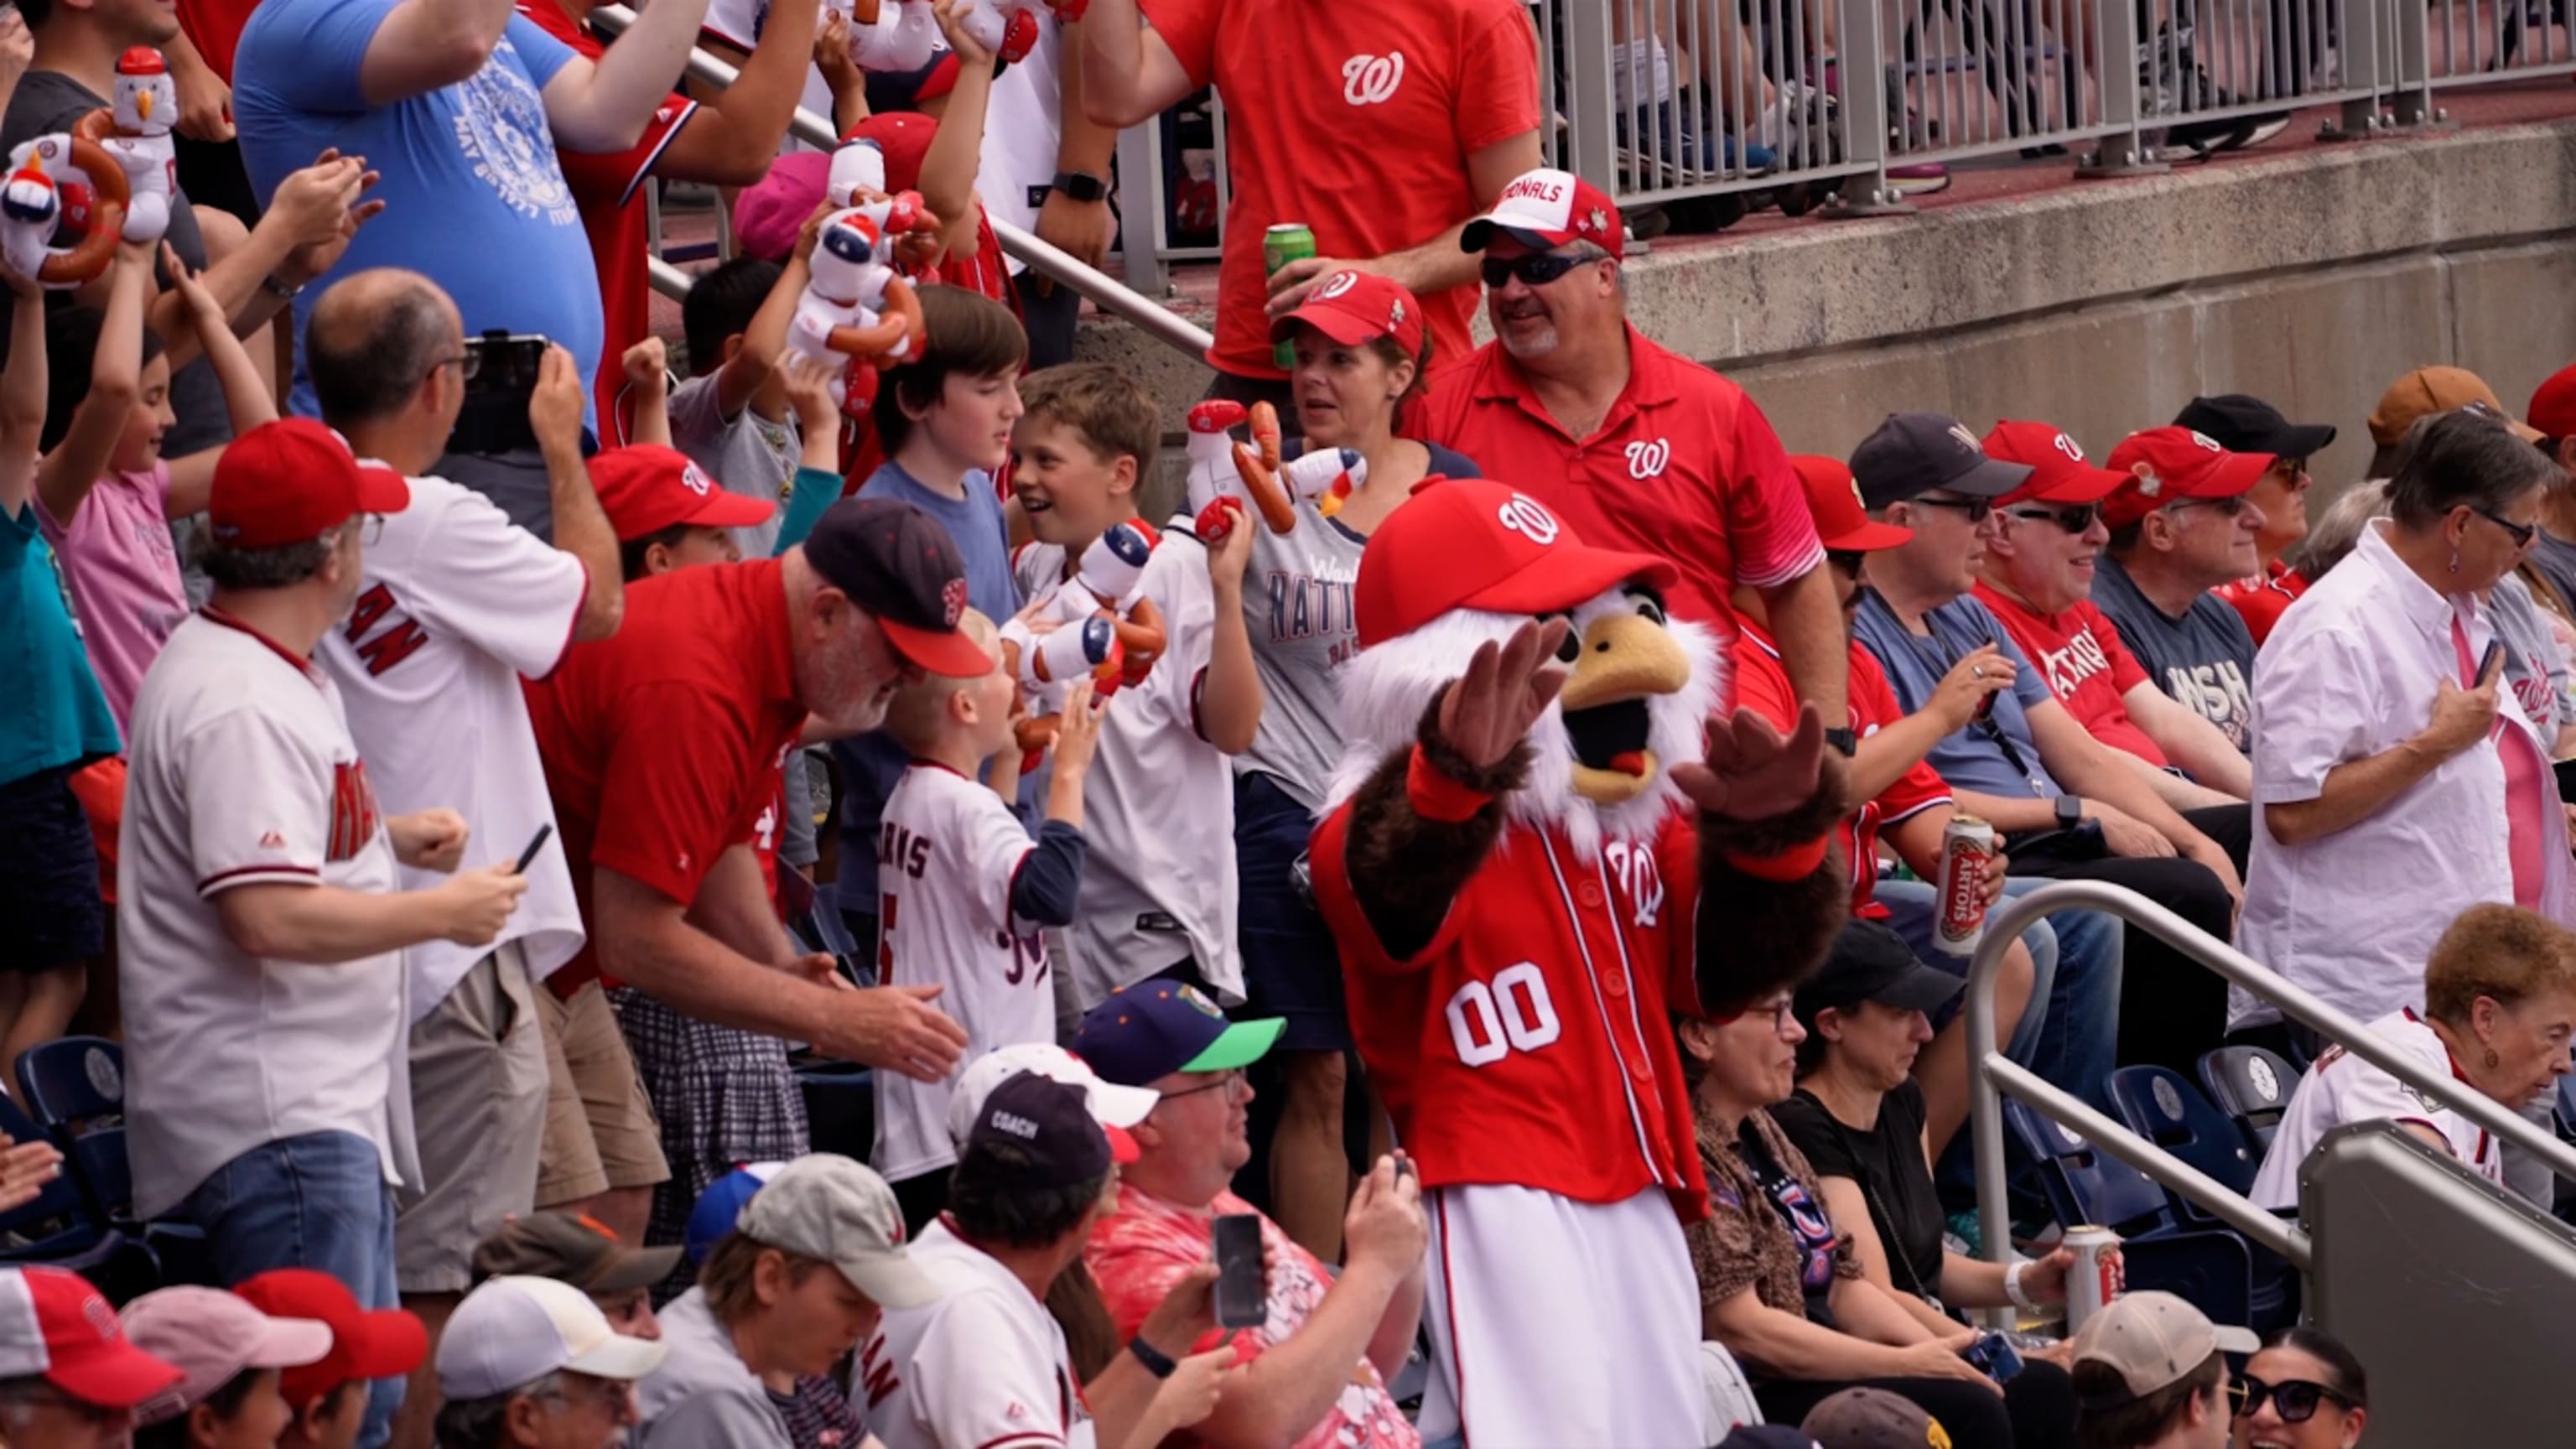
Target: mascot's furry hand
1489,709
1752,773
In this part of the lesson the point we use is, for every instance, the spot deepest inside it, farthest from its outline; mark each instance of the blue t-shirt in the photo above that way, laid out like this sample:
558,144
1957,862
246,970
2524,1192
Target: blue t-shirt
871,763
474,198
1997,757
52,712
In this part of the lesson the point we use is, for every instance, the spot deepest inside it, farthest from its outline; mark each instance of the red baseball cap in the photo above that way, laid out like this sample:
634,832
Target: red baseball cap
1842,522
647,488
54,1324
904,137
1473,543
378,1344
292,480
1353,307
1546,208
2553,404
2165,465
2059,472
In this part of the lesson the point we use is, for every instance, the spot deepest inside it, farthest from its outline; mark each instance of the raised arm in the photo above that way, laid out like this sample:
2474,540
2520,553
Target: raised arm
64,478
956,151
1129,74
603,106
1230,702
22,394
246,394
734,137
422,45
581,525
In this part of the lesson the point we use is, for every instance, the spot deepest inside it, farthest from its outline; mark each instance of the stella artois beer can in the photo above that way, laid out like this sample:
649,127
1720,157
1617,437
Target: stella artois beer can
2096,1277
1967,843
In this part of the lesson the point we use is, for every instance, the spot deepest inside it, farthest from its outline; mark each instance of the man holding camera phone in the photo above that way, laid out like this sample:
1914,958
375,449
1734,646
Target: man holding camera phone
456,604
1320,1350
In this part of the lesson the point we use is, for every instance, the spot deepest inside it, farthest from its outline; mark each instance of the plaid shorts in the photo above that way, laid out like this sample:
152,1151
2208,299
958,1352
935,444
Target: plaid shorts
724,1098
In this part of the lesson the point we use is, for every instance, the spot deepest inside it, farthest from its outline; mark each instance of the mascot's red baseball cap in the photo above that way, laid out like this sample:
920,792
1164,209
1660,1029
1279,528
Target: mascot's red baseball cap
1473,543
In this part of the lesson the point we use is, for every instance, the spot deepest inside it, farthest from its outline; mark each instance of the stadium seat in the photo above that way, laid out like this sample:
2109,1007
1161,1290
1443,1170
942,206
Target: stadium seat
2170,1112
61,1229
2251,1085
2212,1268
75,1087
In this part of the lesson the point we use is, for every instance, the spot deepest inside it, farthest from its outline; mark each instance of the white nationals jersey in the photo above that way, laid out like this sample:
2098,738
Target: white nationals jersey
242,773
948,851
2342,1088
984,1367
456,604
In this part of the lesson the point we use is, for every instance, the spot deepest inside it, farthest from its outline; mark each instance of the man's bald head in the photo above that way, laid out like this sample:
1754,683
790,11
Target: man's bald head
373,341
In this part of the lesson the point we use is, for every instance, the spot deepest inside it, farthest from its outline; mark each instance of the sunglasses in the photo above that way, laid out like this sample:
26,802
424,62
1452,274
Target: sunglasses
1536,269
2293,470
2522,533
1976,508
2223,507
1848,562
2073,517
2295,1400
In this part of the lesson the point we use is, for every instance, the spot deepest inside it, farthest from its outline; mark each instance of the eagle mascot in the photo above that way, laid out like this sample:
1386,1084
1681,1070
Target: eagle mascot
1540,849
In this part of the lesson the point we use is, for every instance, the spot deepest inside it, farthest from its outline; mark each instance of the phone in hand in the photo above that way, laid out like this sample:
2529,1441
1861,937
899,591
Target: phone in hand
1242,1295
1996,1356
536,843
500,376
2489,665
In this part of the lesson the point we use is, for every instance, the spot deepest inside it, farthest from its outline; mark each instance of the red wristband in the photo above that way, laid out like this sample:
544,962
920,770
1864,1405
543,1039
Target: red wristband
1434,796
1794,864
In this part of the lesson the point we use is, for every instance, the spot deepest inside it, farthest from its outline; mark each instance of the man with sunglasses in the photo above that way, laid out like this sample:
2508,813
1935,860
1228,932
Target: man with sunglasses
1925,472
1632,445
2183,524
2243,424
2038,574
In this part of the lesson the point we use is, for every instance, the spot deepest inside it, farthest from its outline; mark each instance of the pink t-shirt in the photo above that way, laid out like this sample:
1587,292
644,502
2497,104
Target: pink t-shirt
123,572
1137,1255
2528,788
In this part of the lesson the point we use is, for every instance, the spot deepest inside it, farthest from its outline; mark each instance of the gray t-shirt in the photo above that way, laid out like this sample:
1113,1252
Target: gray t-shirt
2555,558
704,1396
2533,662
746,453
2204,660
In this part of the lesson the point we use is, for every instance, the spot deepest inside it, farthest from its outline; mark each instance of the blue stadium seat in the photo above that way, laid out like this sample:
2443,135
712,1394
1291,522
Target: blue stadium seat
2160,1106
2251,1085
76,1088
61,1229
2212,1268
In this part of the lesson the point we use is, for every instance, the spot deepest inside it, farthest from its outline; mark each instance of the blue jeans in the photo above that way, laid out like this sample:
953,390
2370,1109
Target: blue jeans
316,1201
2075,1042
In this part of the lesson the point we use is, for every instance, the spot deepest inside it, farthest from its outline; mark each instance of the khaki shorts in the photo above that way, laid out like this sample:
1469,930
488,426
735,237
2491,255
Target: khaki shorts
600,1131
478,1101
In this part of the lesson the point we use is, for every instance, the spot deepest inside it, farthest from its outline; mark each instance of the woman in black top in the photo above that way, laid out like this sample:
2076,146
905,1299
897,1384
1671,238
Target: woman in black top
1858,1118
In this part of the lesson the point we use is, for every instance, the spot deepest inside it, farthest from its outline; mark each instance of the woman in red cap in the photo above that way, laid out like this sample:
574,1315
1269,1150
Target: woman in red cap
1362,351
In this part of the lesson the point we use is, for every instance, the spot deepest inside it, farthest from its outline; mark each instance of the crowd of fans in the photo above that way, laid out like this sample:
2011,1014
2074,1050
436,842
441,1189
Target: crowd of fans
466,839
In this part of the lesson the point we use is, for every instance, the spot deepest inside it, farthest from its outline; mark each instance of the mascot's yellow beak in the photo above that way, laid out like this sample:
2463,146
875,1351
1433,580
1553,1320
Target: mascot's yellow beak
143,104
1626,659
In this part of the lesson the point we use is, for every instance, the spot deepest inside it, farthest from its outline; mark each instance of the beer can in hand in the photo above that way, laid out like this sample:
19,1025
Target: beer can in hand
1289,241
1967,843
2096,1276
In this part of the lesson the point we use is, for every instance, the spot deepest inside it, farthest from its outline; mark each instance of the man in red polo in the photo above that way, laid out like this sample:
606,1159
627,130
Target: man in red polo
1637,447
660,747
1382,126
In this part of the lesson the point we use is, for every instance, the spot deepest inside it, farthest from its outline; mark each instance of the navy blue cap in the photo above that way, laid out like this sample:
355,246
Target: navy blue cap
1145,1032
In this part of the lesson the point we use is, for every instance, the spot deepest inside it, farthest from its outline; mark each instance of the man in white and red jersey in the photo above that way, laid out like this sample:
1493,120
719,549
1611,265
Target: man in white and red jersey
1381,131
455,604
261,920
1528,868
1637,446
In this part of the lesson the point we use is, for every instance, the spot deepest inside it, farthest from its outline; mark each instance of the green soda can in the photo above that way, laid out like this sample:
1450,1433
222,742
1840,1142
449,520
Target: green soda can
1289,241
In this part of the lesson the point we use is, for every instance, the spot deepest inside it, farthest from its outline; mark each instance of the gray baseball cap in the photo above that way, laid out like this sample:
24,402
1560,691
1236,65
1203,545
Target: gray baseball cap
829,1207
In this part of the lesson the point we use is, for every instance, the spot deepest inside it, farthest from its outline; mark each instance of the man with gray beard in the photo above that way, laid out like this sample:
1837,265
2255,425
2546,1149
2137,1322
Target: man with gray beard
1634,446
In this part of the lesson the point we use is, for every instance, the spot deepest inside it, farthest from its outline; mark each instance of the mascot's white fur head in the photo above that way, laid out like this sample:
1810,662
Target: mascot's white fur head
1467,561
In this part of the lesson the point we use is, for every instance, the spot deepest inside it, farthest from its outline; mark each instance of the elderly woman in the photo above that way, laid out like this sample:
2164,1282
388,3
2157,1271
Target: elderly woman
2499,1008
1779,1285
2387,749
2302,1390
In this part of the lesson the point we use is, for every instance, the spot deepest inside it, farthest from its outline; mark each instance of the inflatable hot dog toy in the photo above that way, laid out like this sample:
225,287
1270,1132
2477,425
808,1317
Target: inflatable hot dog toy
1324,476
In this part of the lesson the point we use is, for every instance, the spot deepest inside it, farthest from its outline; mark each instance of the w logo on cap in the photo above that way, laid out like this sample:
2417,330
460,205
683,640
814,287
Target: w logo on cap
695,481
1523,516
1964,438
1335,285
2073,450
952,601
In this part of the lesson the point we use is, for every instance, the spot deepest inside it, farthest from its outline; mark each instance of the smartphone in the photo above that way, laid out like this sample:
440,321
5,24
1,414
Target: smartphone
500,376
2494,657
536,843
1995,1355
1242,1298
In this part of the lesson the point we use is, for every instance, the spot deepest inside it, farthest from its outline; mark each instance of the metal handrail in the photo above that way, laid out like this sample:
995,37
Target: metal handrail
1105,291
1987,1067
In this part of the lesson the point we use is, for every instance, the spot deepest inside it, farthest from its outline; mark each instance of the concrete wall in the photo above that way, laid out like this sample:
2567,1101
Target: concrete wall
2312,280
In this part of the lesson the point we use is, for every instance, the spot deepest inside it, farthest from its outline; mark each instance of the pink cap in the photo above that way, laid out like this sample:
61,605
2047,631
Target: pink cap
212,1335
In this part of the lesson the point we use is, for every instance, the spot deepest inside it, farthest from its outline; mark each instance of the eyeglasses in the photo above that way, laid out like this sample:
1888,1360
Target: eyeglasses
467,364
2073,517
578,1390
2223,507
1977,509
2522,533
1536,269
1225,1082
2295,1400
1783,1014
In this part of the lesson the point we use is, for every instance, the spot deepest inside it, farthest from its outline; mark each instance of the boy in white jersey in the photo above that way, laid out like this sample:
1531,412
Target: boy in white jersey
963,892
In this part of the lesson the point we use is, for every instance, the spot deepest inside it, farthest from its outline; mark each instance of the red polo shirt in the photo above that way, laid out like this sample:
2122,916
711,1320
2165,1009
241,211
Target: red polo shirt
2264,598
2087,668
1356,120
1762,686
604,187
661,743
1683,466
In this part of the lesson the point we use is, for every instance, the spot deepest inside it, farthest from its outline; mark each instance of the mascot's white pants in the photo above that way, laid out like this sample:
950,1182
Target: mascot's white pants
1557,1324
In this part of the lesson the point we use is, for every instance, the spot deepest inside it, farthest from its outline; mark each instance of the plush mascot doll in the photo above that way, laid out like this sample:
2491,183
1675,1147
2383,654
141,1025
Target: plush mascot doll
136,131
1540,847
857,311
896,36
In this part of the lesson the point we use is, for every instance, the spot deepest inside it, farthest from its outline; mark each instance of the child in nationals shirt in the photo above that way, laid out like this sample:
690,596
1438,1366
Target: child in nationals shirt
963,891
